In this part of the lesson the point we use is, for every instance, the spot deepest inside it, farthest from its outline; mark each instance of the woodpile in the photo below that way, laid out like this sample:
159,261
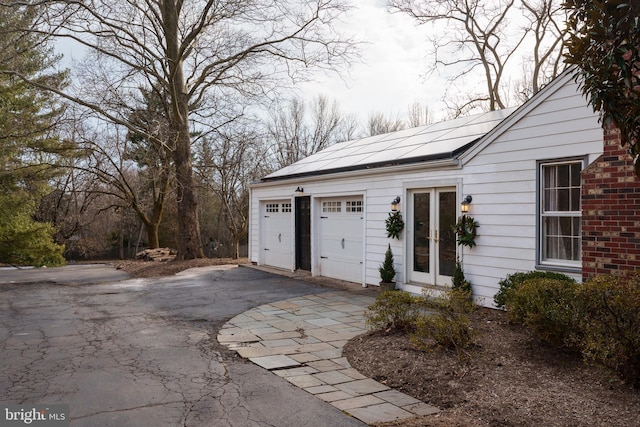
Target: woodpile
158,255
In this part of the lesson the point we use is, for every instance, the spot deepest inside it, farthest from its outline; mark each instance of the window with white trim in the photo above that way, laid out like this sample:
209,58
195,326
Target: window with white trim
331,207
272,207
560,214
286,207
353,206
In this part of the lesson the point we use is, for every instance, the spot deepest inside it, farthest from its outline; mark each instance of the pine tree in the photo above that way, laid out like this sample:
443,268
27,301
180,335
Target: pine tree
28,143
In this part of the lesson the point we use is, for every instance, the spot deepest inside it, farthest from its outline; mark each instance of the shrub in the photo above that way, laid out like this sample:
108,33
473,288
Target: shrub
394,310
387,269
451,300
512,281
458,281
547,306
609,320
450,326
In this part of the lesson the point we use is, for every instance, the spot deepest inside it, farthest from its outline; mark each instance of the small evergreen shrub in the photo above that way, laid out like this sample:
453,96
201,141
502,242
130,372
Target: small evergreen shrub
394,310
387,270
547,306
458,281
609,320
450,325
512,281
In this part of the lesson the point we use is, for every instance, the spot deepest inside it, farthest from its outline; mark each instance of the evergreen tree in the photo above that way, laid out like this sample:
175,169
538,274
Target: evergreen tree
605,45
28,142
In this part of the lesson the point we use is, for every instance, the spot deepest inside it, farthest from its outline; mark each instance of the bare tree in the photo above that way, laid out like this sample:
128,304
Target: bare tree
419,115
482,40
226,164
127,169
379,123
198,53
546,24
297,133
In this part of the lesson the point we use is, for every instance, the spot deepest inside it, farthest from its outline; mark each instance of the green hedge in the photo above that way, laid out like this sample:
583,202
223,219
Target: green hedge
547,307
512,281
600,318
609,321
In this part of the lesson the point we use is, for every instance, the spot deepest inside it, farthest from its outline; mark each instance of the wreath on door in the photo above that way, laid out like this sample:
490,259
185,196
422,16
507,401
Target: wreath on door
465,229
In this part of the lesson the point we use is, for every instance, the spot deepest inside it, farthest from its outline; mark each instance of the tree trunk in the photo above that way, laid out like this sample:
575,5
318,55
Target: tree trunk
152,234
121,237
188,239
153,225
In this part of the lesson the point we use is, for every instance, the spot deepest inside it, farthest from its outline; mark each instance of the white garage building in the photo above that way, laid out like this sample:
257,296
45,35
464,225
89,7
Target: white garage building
326,213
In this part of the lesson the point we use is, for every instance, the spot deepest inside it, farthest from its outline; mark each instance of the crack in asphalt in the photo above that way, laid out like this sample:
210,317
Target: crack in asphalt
136,350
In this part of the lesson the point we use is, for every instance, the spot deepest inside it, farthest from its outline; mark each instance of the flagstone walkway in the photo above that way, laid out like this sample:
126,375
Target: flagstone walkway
301,340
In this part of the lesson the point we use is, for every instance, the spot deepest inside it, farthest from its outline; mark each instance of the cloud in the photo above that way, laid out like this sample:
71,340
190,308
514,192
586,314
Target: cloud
390,75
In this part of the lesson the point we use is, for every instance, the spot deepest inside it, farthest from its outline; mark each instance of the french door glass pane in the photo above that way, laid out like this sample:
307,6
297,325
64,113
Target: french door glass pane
446,238
421,227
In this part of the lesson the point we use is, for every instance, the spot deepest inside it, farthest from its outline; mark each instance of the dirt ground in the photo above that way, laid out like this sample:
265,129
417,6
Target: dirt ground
168,268
508,379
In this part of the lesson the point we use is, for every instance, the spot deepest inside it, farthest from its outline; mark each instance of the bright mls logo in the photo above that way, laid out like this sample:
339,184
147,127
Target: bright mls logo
37,415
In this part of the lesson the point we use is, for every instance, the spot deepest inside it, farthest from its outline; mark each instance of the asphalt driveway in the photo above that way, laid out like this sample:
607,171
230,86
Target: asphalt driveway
143,352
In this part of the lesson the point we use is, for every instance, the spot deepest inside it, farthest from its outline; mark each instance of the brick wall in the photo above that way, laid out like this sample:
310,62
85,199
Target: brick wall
610,211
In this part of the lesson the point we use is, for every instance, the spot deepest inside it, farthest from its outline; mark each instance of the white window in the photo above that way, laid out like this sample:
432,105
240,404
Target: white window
331,207
286,207
560,214
354,206
272,207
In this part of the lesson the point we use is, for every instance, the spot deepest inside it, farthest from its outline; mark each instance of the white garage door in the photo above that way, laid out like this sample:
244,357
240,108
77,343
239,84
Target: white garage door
341,238
277,246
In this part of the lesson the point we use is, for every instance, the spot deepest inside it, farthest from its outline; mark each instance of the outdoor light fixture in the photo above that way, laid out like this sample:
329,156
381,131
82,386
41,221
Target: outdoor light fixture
464,206
395,204
299,191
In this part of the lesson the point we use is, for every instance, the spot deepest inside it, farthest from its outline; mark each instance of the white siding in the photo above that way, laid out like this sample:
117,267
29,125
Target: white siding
378,189
502,180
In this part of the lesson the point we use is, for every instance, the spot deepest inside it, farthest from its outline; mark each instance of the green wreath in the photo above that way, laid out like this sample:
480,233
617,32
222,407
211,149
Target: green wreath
465,229
394,225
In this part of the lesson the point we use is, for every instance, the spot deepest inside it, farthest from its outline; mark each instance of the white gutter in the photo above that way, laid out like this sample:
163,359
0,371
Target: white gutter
383,170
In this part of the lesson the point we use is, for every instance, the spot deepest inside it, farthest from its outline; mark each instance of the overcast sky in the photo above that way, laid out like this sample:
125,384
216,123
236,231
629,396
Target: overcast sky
391,74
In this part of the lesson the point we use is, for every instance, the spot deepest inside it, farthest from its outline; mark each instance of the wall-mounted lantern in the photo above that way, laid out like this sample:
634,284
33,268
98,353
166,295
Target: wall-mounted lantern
299,191
395,204
464,206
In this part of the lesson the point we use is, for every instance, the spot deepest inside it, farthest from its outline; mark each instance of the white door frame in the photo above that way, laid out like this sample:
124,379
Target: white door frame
433,236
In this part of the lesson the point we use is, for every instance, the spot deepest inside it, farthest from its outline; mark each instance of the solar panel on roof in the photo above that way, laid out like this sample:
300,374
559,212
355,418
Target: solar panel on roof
437,140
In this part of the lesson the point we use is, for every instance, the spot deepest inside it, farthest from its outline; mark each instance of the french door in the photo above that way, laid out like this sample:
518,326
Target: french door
432,242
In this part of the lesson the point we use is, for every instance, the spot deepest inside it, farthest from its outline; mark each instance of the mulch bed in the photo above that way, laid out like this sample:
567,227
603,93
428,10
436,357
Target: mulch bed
507,379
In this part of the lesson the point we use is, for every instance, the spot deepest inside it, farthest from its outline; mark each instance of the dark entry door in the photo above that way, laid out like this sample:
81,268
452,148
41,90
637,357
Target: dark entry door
303,233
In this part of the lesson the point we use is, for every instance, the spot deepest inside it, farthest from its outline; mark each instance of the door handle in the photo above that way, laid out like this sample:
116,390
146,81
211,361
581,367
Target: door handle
436,238
280,237
342,243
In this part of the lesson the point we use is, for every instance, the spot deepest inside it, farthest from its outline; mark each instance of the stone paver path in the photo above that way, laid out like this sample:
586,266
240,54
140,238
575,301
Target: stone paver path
301,340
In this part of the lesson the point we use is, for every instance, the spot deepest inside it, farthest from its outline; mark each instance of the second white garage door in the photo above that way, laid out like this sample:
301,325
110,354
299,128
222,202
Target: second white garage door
341,243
